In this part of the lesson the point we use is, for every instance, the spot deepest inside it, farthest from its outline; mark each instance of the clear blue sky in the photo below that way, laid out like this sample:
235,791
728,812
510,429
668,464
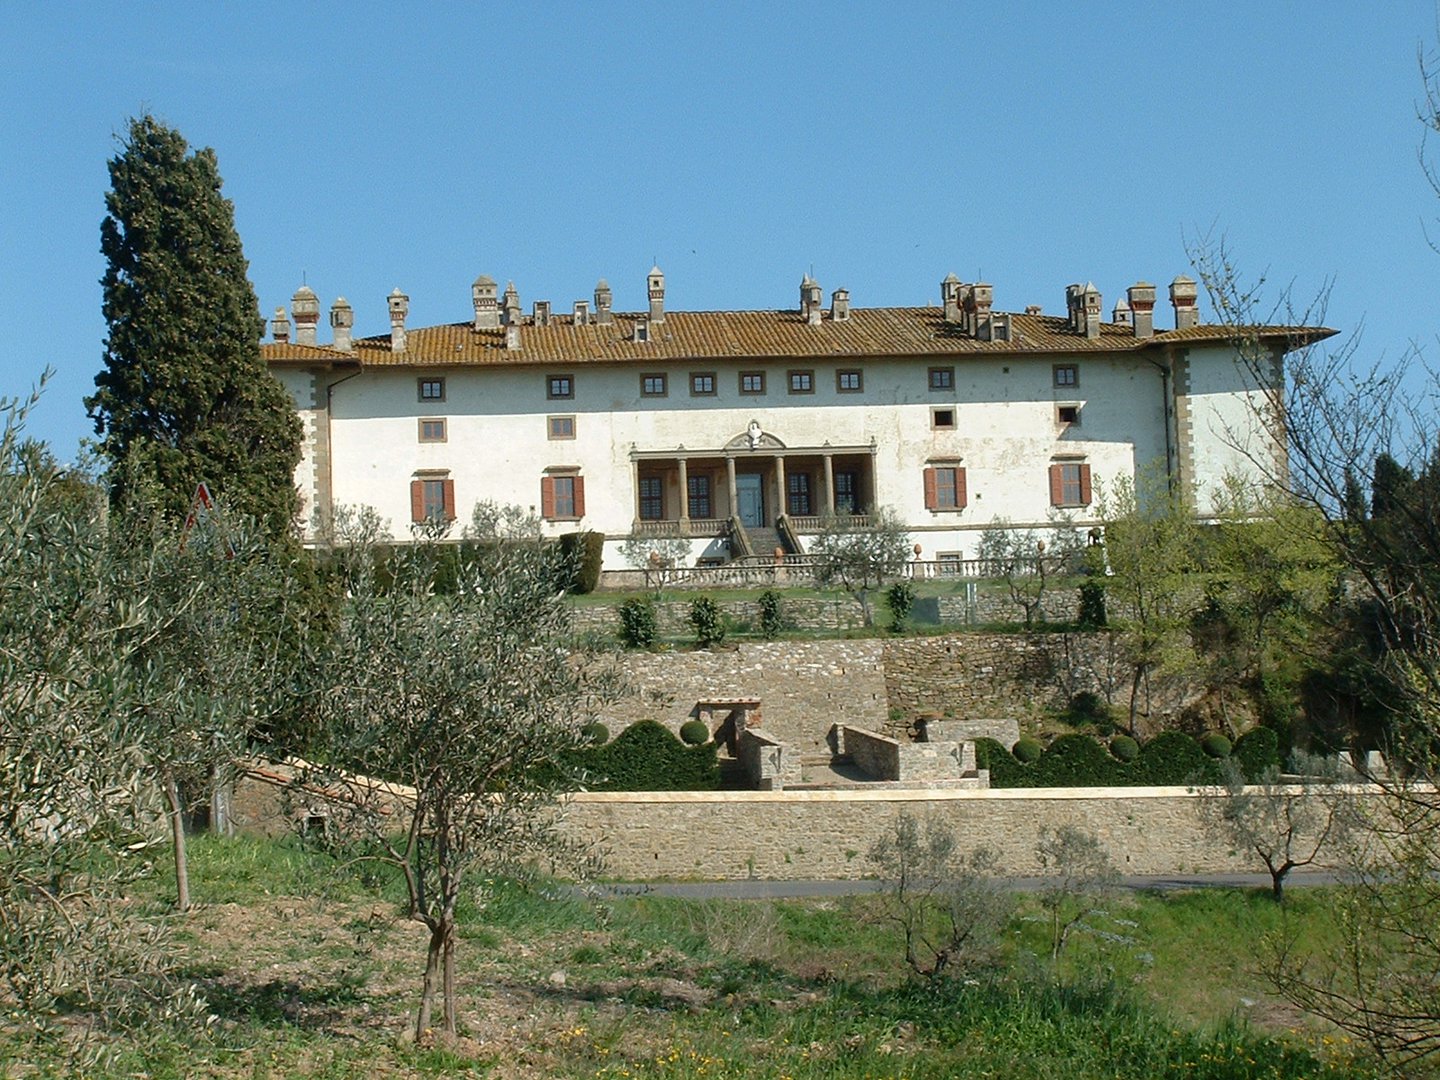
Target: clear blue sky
368,146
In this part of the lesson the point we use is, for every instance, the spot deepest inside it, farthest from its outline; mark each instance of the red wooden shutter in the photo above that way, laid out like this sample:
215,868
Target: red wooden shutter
1057,486
1085,485
579,496
932,500
449,496
547,497
961,495
417,500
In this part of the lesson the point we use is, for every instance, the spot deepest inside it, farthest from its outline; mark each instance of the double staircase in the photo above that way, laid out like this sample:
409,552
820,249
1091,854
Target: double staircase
763,542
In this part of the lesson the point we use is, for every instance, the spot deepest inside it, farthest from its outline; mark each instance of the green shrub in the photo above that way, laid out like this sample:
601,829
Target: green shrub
647,756
770,617
901,598
1088,708
1124,748
584,552
1005,770
694,733
1215,745
1075,761
1028,750
1257,751
637,623
1091,615
596,732
708,622
1173,757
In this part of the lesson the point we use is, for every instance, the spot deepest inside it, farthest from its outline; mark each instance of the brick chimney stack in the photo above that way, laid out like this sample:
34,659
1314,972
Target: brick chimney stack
811,300
978,301
342,318
1090,310
950,298
603,299
840,305
399,308
305,309
280,327
1183,295
1120,315
482,296
655,286
1142,308
511,305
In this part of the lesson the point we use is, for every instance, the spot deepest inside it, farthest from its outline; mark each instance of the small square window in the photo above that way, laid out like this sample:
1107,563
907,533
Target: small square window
752,382
642,331
802,382
431,389
560,427
559,386
702,384
1067,375
1067,415
653,385
942,419
849,381
942,378
432,430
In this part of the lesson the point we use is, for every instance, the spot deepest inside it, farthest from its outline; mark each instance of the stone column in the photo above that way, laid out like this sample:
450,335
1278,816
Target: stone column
684,498
635,489
829,503
870,503
783,503
734,494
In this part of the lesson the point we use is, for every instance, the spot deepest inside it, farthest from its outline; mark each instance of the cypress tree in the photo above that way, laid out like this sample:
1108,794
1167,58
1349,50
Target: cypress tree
184,395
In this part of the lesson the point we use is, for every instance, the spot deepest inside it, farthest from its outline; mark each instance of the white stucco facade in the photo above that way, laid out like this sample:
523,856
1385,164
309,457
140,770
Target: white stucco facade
681,424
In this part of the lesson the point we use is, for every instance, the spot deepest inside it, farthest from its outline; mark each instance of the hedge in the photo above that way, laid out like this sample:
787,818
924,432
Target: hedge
647,756
1256,752
1172,758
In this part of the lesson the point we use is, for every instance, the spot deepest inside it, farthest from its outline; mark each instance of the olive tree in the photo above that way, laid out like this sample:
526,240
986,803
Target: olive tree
447,719
1027,562
859,557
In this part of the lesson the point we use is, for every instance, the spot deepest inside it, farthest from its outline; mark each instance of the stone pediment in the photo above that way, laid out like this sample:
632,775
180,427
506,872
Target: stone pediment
753,438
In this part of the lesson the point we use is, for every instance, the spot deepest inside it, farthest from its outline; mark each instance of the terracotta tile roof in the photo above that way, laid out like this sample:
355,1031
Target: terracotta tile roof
869,333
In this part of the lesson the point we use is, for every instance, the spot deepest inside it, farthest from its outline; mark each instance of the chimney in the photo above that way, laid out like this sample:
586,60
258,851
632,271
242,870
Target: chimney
811,300
1142,308
603,299
1120,315
482,295
512,335
840,305
655,286
1034,309
511,305
582,313
305,308
950,298
1182,295
399,308
280,327
540,315
1073,307
1090,310
342,318
978,302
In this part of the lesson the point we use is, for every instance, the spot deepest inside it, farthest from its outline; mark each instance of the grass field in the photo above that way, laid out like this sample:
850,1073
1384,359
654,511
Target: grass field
309,970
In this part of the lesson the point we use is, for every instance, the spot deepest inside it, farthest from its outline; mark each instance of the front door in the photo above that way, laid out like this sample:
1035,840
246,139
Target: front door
750,494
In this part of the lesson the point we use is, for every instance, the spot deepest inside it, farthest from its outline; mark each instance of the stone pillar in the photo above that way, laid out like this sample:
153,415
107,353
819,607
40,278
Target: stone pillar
635,488
734,494
829,504
782,504
870,492
684,498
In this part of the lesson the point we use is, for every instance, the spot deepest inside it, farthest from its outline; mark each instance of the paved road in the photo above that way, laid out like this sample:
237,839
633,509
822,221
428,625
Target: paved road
787,890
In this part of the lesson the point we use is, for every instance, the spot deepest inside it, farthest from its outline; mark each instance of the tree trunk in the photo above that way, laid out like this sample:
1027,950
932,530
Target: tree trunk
432,972
863,596
177,842
449,975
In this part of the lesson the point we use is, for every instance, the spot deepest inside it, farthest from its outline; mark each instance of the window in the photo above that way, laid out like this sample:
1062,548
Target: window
942,378
652,498
949,563
945,488
431,389
1069,483
798,493
752,382
1066,376
562,496
847,492
642,331
432,499
560,427
1067,414
560,386
653,385
702,384
942,419
432,430
849,381
802,382
699,496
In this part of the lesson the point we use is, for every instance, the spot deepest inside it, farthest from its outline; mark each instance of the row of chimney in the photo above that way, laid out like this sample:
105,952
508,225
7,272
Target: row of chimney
968,306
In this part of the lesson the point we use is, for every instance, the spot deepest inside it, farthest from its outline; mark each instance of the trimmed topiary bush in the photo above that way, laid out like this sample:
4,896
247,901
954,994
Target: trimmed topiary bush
707,621
1124,748
694,733
901,598
770,617
1091,615
1215,745
1005,770
1028,750
1173,757
646,756
637,623
586,552
1076,761
1256,752
596,732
